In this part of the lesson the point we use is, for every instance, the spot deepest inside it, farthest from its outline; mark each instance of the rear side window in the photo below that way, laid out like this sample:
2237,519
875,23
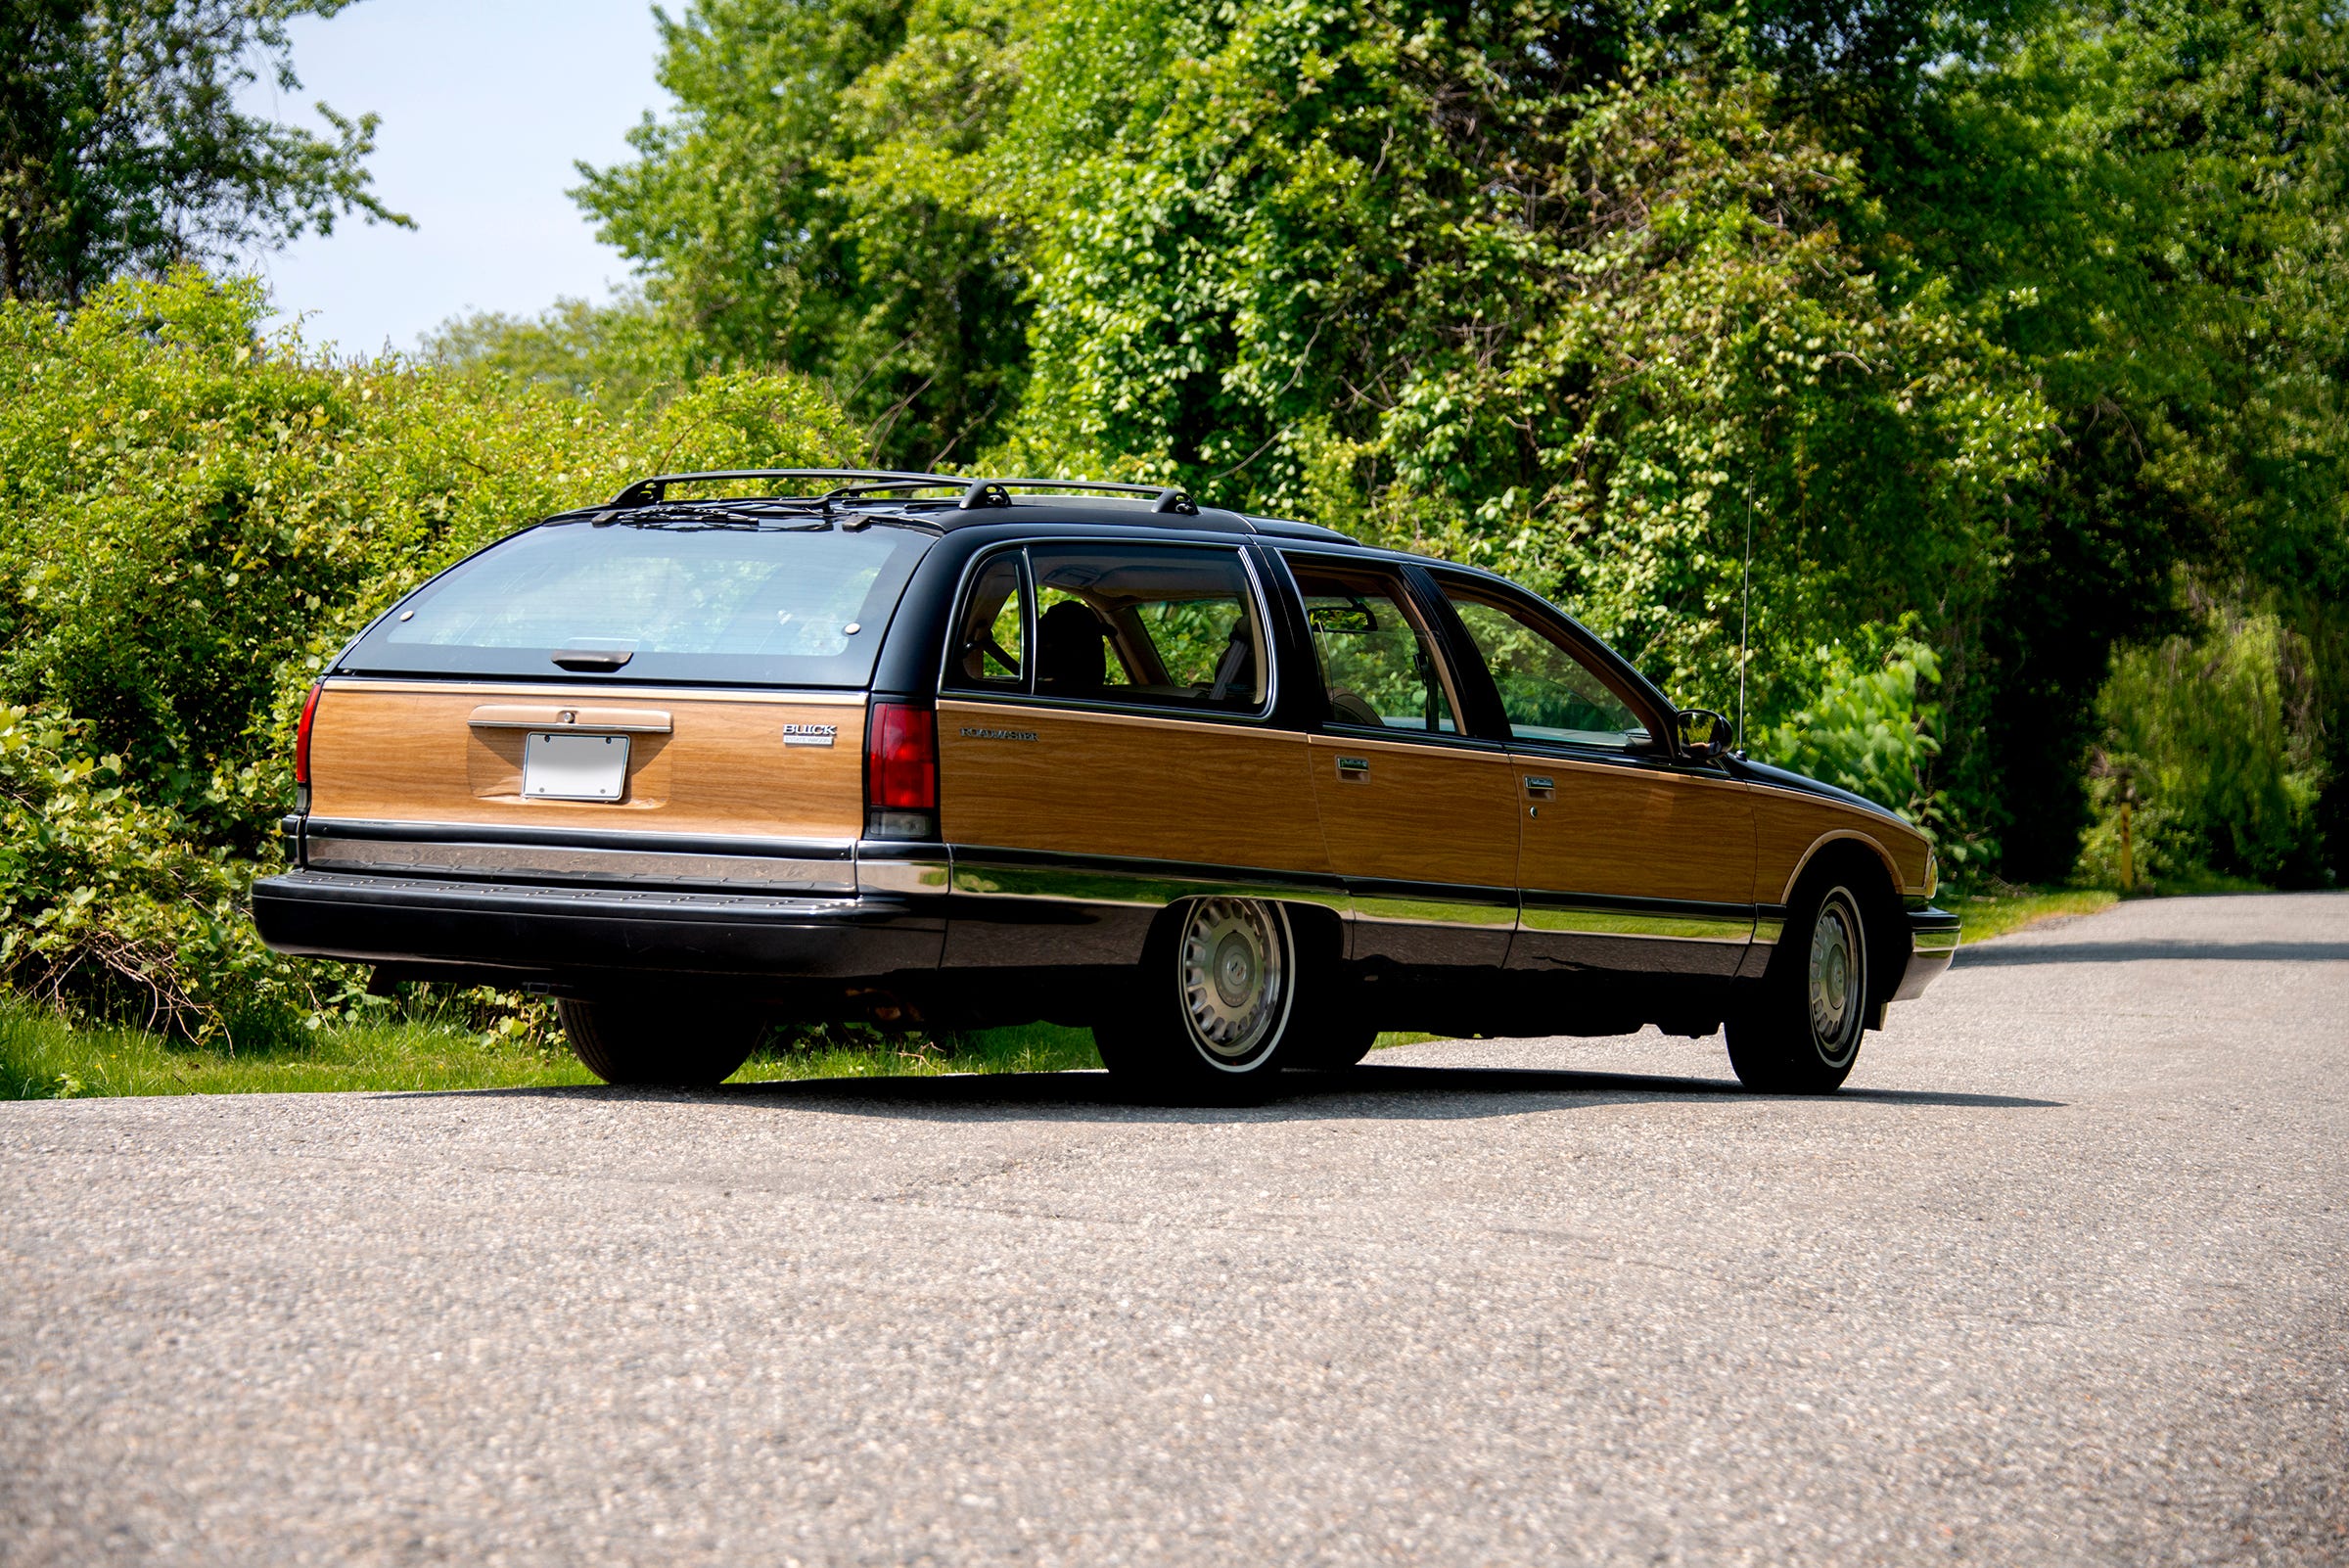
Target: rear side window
684,601
992,630
1141,625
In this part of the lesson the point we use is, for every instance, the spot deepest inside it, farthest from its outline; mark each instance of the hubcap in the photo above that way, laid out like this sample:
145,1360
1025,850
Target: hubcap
1837,976
1234,980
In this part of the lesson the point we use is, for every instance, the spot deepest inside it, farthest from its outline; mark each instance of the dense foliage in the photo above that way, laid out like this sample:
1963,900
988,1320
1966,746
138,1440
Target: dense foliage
123,145
2207,743
2017,327
778,246
2012,338
191,518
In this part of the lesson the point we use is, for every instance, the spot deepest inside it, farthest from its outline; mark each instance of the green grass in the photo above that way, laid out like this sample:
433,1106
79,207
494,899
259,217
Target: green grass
2001,908
1019,1049
44,1056
1999,911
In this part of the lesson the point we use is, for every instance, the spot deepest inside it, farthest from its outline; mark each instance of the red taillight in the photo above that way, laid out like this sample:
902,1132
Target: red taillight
900,759
301,735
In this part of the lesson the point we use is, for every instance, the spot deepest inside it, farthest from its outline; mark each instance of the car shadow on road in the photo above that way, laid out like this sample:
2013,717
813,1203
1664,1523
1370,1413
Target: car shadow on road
1369,1092
2129,952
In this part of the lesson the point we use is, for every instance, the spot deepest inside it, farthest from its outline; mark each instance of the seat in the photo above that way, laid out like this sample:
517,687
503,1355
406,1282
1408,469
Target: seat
1236,667
1068,650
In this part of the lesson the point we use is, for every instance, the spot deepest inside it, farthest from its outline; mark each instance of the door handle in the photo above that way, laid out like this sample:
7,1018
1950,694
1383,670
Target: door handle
1354,768
1537,784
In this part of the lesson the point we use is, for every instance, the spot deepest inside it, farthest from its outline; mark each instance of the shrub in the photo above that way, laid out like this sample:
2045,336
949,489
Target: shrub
2210,741
1870,729
193,516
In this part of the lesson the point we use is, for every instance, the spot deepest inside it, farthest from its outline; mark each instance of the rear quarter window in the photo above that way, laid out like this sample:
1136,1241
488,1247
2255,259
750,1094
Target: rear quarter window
1174,626
692,603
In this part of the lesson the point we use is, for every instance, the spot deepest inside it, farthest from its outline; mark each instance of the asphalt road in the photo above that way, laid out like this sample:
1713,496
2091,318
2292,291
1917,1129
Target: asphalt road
2059,1279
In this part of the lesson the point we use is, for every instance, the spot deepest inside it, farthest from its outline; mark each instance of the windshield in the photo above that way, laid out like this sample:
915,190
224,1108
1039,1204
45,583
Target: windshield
720,604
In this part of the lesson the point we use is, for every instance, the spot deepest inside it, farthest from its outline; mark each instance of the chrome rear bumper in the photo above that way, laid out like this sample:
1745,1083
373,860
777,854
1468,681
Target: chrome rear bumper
542,930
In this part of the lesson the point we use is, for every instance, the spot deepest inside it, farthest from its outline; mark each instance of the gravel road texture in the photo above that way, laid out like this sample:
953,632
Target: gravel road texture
2059,1279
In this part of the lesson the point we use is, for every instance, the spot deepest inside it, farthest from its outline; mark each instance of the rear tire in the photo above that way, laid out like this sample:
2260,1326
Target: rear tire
1212,1017
659,1041
1801,1033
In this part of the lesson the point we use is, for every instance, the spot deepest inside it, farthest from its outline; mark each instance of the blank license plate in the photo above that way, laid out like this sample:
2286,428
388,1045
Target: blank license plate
575,767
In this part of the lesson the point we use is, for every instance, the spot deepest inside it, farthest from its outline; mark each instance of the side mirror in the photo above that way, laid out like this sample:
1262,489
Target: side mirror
1704,735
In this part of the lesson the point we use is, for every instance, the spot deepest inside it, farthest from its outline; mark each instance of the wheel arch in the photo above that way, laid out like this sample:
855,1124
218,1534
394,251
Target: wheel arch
1828,843
1863,862
1316,930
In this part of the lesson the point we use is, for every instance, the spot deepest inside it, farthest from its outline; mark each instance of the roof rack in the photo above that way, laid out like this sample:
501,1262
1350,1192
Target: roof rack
977,495
998,492
651,491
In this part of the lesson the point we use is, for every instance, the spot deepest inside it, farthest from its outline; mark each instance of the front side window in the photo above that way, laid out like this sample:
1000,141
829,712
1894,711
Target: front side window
1158,625
1378,661
1548,690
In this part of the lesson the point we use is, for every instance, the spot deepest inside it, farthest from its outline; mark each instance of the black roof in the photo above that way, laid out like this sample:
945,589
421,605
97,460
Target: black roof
888,496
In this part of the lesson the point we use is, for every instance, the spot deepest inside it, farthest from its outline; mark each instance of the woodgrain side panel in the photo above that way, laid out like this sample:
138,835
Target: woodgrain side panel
1418,813
1789,827
1161,789
407,753
1629,832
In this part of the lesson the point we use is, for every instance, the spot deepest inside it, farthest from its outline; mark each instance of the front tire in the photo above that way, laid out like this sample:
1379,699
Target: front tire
1214,1016
660,1042
1801,1034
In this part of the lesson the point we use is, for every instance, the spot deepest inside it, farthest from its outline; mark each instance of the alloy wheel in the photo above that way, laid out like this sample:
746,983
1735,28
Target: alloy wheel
1236,979
1837,977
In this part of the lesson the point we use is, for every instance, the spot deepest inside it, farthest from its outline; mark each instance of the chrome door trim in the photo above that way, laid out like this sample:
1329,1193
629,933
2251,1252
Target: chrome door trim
1641,919
1030,876
1414,903
1035,876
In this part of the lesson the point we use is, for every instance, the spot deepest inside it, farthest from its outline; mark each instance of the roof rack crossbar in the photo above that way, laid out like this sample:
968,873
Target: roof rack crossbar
988,493
650,491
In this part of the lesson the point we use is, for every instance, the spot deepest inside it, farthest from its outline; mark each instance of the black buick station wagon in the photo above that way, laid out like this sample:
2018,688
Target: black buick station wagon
1234,793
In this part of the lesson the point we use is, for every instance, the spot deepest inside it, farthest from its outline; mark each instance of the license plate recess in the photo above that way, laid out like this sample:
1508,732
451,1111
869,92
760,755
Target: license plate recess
575,767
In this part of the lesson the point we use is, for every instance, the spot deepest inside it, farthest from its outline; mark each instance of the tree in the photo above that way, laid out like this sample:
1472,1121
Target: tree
2018,324
123,148
800,209
616,354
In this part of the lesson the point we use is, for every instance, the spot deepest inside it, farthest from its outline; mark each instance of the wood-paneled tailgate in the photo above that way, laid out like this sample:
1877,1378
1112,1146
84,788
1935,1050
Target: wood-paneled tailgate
1116,784
1789,826
412,752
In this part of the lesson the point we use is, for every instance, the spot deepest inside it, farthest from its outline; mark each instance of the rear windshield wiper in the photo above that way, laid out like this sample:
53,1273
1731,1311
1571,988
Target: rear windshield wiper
754,513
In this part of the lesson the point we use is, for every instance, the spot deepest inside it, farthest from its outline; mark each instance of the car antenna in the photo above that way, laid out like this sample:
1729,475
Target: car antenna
1745,602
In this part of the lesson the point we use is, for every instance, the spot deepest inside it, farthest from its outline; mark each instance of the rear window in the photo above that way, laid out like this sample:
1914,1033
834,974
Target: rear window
664,602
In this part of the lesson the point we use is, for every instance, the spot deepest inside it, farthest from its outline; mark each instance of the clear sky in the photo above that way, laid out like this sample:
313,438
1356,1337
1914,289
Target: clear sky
484,105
